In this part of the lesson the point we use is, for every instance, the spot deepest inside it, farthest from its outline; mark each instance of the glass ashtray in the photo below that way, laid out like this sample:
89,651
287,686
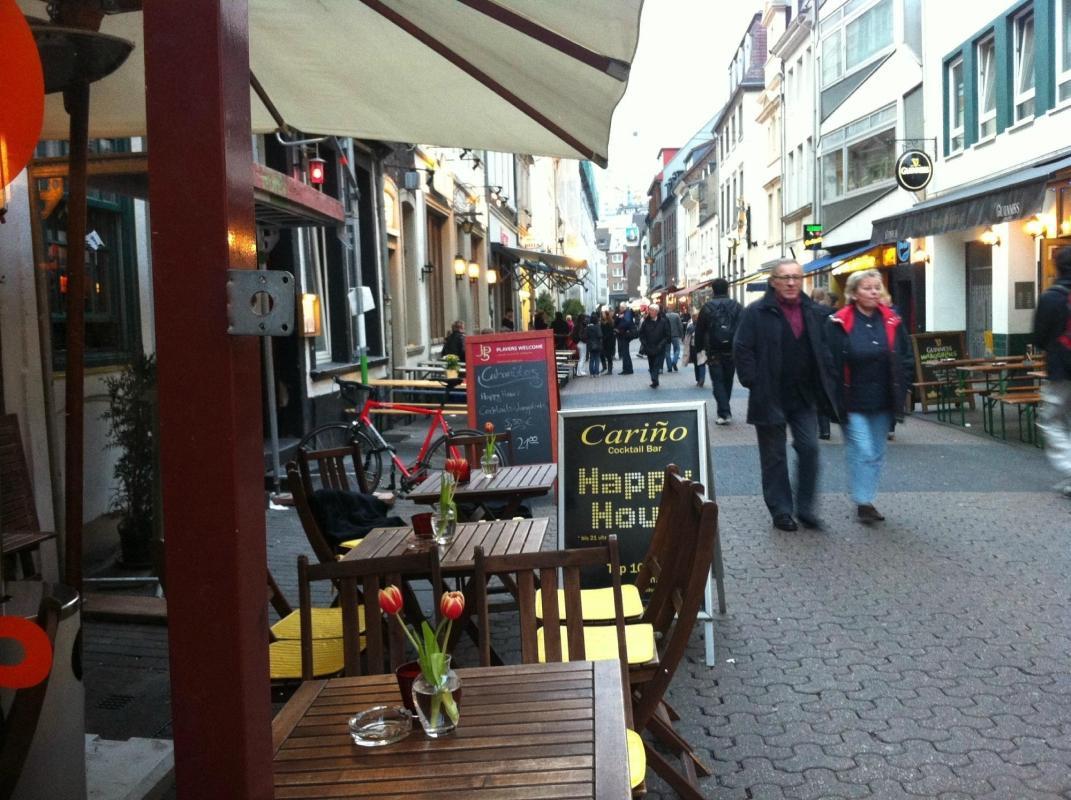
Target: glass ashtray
380,725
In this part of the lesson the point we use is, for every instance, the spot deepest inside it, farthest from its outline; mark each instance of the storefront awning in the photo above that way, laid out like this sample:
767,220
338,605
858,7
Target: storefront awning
1011,196
546,269
460,74
831,261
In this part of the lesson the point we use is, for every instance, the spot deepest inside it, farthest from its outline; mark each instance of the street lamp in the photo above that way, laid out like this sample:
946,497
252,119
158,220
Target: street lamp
474,271
459,266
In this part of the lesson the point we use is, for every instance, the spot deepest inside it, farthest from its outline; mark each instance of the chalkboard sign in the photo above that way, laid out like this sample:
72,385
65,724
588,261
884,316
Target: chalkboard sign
513,382
932,352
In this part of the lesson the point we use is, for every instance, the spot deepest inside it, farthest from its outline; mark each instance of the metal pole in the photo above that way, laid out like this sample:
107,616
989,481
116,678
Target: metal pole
273,417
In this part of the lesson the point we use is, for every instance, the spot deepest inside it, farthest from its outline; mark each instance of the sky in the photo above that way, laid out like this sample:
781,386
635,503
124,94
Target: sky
679,80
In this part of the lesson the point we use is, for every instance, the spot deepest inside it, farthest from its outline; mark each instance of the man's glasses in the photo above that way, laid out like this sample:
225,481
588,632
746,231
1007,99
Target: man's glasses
789,278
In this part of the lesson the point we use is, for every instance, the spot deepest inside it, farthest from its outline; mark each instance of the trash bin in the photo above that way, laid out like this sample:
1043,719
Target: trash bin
56,764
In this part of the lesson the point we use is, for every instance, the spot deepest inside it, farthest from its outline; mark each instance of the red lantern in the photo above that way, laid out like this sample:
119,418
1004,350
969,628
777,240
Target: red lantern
316,171
24,92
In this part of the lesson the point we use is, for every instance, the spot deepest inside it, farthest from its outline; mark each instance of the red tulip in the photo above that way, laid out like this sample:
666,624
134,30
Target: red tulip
489,427
452,605
390,599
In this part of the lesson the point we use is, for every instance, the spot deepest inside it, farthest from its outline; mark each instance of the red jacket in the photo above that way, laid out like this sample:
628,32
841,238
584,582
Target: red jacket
901,363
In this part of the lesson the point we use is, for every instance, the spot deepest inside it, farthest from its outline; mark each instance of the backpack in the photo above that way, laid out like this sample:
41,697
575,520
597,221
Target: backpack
720,317
1065,338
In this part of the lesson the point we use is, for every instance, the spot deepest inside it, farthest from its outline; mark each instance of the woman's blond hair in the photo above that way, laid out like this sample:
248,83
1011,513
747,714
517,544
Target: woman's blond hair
858,277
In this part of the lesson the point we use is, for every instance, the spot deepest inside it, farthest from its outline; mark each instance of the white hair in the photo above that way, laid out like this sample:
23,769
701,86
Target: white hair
655,306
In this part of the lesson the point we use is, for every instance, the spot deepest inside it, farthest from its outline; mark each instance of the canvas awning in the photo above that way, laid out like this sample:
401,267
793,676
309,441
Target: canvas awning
829,262
1015,195
546,269
483,74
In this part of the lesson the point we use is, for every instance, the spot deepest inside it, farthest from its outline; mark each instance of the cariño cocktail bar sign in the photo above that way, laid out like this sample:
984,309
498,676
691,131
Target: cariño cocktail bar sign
914,169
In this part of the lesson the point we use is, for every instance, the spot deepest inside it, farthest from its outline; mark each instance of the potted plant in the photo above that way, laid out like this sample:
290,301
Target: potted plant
452,363
132,400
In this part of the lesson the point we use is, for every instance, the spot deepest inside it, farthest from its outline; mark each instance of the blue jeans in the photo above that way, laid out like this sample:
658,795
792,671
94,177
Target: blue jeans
773,457
626,356
594,362
864,437
673,354
722,369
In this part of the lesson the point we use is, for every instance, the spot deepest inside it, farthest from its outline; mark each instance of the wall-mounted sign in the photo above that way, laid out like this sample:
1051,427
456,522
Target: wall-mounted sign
914,168
812,237
903,252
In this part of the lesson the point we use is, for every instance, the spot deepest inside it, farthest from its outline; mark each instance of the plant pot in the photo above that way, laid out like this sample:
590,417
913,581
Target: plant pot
135,545
451,374
444,523
489,465
438,707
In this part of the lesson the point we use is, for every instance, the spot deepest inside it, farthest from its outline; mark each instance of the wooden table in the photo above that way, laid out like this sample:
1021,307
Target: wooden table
526,731
511,486
414,383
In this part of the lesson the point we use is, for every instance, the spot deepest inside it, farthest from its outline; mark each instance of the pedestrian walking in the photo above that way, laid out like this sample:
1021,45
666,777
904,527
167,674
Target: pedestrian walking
719,319
454,343
581,344
872,360
823,298
625,328
696,356
1052,331
654,339
781,357
606,328
676,334
593,340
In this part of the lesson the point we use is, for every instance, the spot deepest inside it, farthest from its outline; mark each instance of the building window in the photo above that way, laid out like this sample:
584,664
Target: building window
852,37
957,103
1024,65
1063,50
987,88
860,155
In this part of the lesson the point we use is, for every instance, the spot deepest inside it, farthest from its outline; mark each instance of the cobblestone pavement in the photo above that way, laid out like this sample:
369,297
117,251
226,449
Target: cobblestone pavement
925,658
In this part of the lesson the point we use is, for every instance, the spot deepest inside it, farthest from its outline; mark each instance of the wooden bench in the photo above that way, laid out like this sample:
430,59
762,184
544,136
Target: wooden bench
1026,403
125,608
21,530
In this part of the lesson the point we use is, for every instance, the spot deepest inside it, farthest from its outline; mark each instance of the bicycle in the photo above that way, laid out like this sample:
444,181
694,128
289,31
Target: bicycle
362,430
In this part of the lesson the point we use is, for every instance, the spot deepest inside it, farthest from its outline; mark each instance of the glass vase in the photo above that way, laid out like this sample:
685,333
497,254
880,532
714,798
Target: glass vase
444,523
438,707
489,464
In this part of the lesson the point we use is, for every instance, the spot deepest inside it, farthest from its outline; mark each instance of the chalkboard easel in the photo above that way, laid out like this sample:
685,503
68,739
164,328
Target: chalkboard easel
932,350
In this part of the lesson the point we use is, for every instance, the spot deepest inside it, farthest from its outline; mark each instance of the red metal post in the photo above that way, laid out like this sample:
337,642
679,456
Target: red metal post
212,464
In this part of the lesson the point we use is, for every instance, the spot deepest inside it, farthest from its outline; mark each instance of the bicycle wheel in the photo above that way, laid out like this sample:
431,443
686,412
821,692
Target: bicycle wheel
372,459
339,434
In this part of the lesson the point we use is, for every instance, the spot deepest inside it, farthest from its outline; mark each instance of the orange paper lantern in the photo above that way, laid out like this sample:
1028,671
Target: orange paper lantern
22,106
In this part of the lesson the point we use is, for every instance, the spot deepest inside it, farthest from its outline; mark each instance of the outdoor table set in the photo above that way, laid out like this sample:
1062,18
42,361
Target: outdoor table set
997,383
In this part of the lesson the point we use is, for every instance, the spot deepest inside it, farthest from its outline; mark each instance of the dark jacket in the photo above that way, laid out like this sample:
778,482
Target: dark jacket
706,322
757,351
624,324
608,337
561,333
901,362
676,327
454,344
654,335
592,336
1050,322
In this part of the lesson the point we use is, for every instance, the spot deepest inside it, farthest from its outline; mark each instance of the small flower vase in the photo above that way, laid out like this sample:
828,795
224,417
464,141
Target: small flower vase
443,523
451,373
489,464
438,707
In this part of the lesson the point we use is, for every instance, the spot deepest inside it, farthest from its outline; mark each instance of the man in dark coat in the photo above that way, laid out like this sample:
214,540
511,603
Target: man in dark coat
782,358
454,344
718,342
623,328
1052,331
655,338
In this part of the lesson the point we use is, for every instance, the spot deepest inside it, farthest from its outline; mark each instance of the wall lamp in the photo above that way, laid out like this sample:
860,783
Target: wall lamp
474,271
425,271
468,221
310,316
460,265
492,277
1041,225
990,237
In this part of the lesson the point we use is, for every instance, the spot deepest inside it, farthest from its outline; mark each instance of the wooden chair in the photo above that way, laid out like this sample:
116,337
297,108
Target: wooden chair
321,547
359,583
550,642
473,444
18,727
284,647
330,466
19,525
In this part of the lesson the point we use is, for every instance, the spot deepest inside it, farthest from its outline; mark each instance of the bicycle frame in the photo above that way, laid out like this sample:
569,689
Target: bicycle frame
438,423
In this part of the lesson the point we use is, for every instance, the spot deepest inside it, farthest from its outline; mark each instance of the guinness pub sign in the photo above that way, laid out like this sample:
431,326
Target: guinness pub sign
914,169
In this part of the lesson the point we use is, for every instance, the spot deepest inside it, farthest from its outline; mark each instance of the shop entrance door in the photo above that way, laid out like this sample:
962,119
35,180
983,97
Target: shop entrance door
979,297
1048,264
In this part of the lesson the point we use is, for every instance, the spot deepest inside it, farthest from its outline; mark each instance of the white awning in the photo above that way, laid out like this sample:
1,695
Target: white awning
530,76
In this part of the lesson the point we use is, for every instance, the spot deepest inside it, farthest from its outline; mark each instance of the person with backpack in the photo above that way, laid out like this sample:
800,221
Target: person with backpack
1052,331
625,327
593,339
715,332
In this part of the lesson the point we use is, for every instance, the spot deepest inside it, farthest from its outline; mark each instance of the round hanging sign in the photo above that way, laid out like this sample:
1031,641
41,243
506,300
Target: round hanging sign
23,92
914,168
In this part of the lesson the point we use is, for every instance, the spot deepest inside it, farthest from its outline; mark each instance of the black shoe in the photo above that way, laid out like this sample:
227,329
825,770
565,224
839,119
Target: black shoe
867,514
824,436
627,373
654,384
811,522
784,522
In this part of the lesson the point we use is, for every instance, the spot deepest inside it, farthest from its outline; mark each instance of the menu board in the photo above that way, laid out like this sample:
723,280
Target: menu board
932,352
611,466
513,382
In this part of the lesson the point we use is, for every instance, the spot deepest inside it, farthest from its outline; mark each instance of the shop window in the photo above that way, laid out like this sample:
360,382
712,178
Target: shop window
853,36
957,104
1024,65
1063,50
987,87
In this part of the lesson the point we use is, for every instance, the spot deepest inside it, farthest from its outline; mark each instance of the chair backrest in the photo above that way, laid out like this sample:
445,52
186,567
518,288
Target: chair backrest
277,599
320,546
18,511
664,551
358,583
679,595
18,727
330,465
529,570
472,445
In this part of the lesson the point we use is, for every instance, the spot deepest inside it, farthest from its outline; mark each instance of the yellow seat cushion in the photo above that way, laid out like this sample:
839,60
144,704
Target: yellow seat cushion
284,658
637,758
597,605
349,544
600,643
326,624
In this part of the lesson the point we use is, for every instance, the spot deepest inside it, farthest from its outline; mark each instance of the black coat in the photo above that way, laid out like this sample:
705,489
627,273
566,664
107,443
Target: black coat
757,353
901,362
454,345
654,335
1050,322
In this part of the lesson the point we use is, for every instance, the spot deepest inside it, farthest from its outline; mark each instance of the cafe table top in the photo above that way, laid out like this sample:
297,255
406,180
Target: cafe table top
525,731
498,537
511,484
414,383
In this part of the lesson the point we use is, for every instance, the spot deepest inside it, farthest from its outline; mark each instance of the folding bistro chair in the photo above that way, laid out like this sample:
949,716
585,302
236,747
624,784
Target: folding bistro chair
321,547
358,584
330,466
284,643
551,642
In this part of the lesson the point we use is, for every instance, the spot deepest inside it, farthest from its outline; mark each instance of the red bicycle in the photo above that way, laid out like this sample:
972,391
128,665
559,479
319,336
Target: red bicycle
362,430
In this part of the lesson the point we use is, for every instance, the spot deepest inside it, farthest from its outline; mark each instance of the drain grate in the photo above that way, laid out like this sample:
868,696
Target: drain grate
115,702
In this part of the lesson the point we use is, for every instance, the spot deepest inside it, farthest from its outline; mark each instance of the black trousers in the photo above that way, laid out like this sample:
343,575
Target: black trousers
773,457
